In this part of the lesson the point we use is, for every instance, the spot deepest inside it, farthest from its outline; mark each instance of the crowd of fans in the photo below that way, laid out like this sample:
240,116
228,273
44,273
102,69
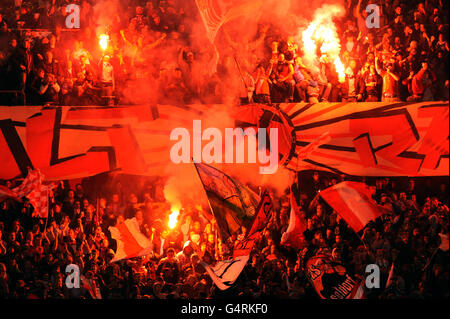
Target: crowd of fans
153,47
34,251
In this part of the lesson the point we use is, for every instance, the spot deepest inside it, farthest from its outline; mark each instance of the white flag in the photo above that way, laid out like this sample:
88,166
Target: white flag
225,272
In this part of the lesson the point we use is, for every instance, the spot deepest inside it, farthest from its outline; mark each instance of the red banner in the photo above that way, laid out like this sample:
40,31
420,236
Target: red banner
363,139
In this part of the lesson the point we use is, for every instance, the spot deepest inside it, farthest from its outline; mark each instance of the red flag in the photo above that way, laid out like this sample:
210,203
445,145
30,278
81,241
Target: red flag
130,241
39,199
31,182
33,189
263,213
293,236
353,202
6,193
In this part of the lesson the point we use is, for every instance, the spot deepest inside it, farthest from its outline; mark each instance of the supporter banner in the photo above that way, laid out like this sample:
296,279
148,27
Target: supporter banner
353,202
365,139
362,139
232,204
331,280
293,236
130,241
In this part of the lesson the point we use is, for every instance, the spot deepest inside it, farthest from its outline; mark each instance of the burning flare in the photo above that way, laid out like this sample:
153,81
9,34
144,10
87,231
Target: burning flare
173,218
322,32
103,42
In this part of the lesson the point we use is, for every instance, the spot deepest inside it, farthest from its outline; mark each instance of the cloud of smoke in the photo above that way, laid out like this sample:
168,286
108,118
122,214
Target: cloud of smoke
238,40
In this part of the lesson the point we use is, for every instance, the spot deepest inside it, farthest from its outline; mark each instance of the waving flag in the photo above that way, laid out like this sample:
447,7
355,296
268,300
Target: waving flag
244,246
30,183
353,202
232,204
224,273
130,241
33,189
293,236
216,13
39,199
6,193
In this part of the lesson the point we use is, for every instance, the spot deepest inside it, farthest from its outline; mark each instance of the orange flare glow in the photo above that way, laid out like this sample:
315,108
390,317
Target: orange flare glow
103,42
321,34
173,219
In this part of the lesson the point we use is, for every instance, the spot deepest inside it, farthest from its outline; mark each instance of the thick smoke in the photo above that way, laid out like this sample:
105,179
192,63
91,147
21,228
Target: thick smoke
240,48
238,44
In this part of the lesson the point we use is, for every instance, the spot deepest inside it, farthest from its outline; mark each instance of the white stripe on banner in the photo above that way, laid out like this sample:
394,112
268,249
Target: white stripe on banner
120,251
355,203
133,227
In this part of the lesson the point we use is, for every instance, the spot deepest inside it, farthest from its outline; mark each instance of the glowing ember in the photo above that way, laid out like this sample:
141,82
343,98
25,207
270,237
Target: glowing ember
322,32
173,219
103,42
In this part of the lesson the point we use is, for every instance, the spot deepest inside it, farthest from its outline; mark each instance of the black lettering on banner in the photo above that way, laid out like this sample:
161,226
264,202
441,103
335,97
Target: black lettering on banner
16,146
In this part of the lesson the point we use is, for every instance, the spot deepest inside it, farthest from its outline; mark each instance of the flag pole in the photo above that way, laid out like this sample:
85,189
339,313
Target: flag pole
215,243
97,212
430,259
367,248
240,72
203,185
206,193
46,221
